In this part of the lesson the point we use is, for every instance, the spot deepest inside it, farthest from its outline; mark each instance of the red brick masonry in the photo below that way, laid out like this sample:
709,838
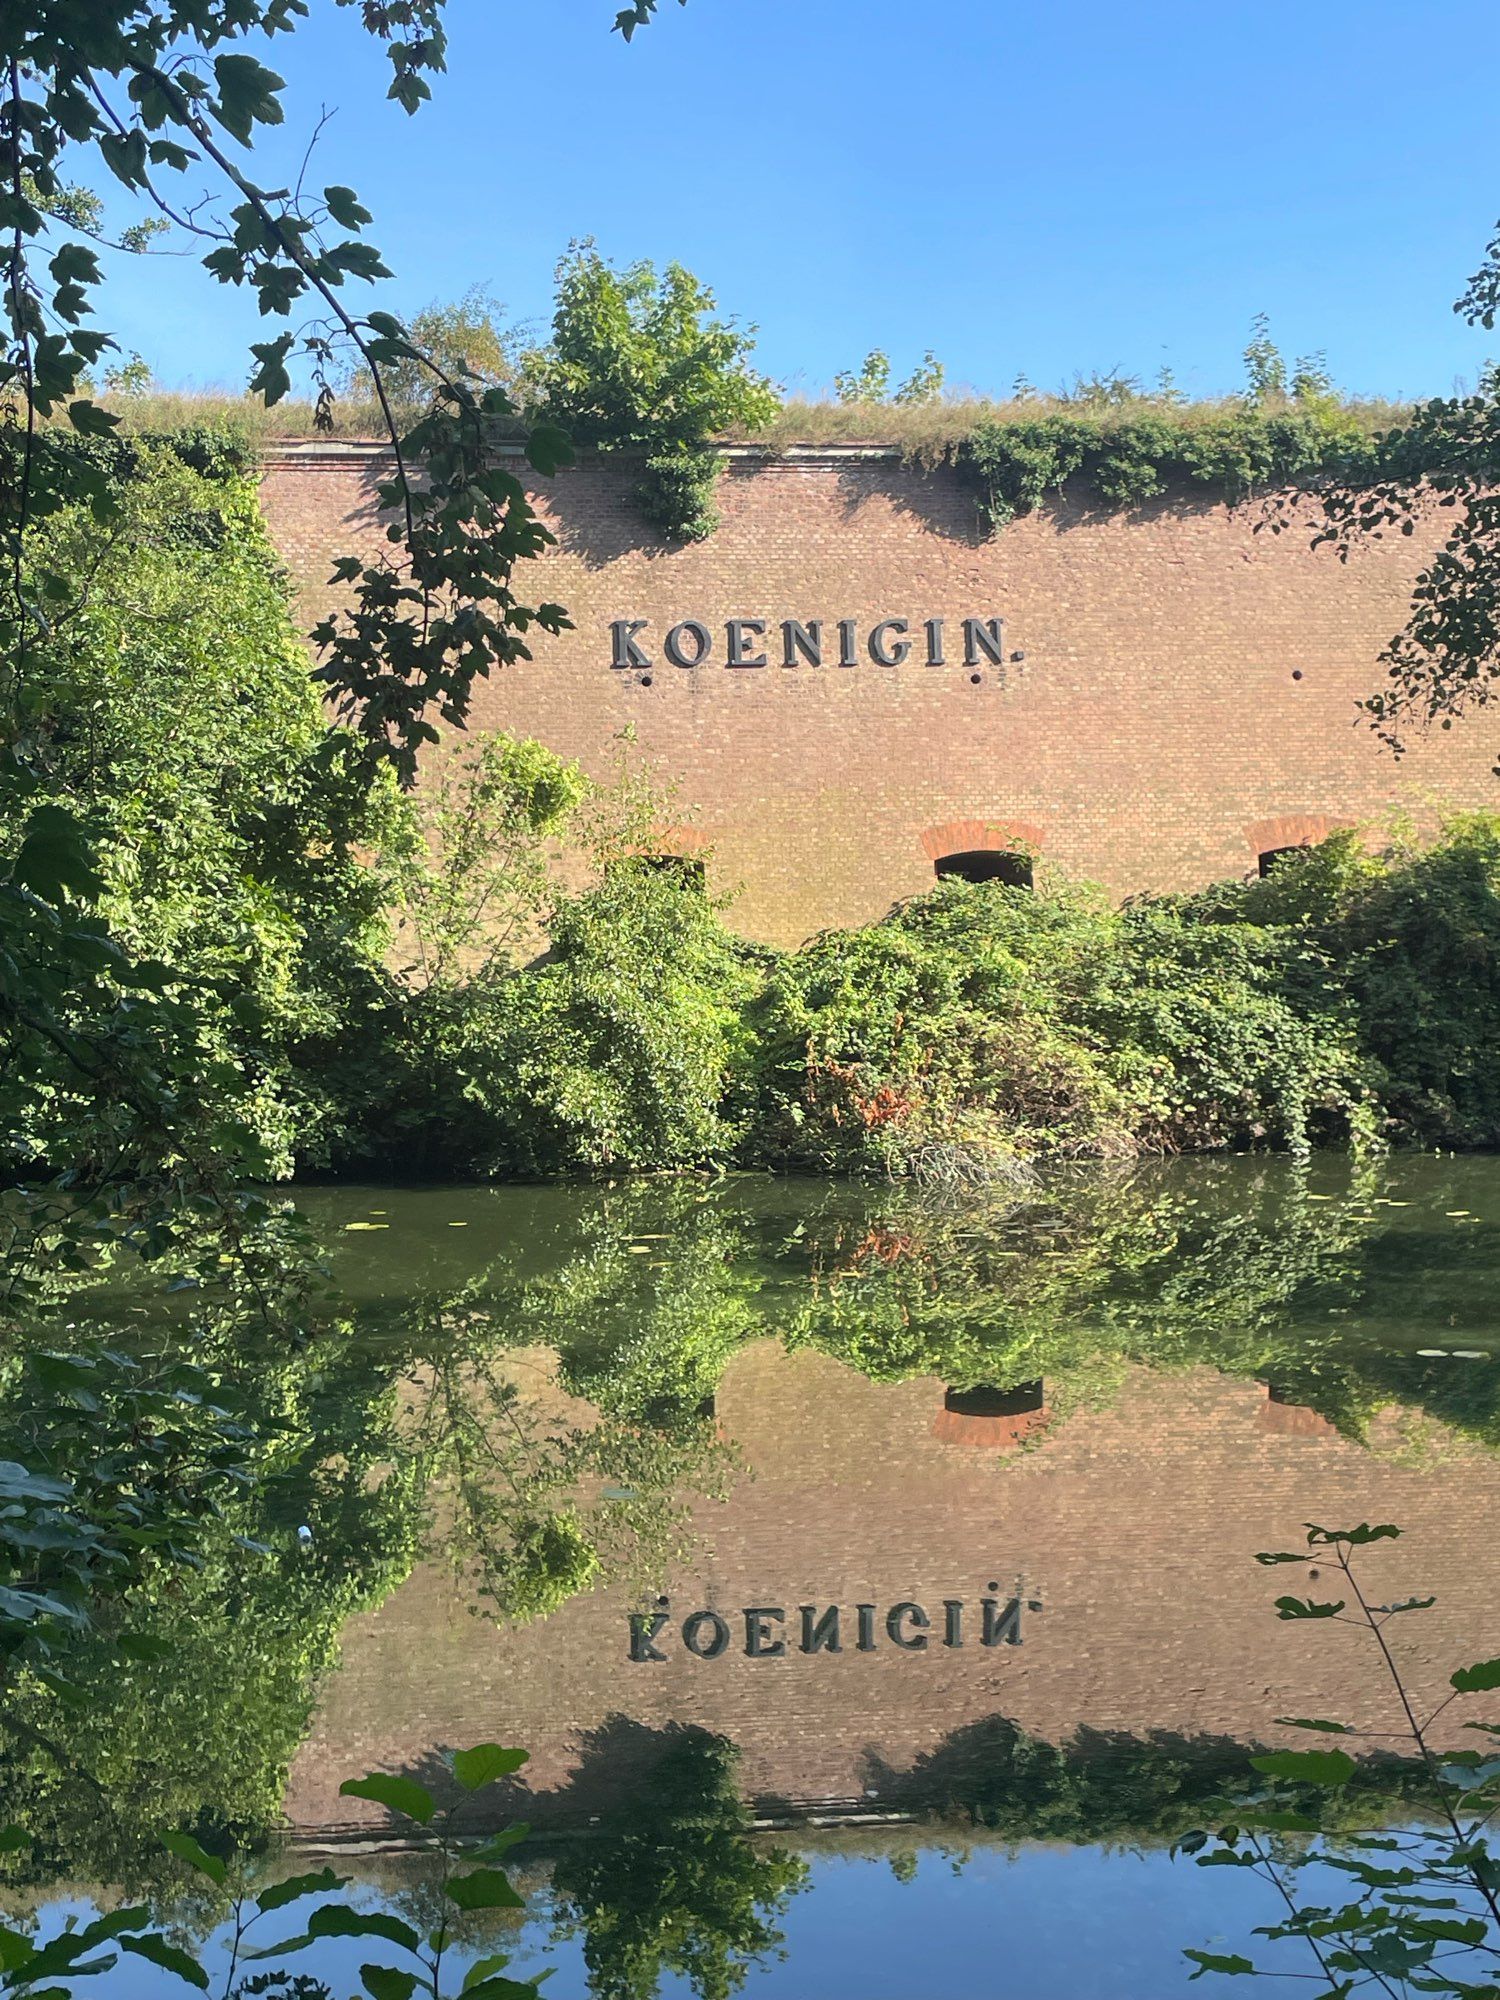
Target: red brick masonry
1185,699
1134,1527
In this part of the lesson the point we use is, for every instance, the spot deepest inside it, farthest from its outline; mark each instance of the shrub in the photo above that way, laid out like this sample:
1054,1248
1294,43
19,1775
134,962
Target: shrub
1012,1025
172,708
616,1049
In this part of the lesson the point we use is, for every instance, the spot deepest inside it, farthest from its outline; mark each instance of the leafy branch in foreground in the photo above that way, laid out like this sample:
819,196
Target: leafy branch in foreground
1423,1907
157,98
1444,461
469,1881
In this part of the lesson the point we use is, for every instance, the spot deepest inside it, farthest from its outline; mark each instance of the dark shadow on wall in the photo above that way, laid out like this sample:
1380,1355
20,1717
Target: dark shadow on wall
593,511
939,498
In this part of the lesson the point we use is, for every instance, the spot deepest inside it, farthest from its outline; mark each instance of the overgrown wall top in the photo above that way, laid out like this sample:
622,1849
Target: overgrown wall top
1185,696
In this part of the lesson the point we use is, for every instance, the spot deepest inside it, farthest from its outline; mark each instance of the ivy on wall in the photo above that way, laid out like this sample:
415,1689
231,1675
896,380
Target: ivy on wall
1122,459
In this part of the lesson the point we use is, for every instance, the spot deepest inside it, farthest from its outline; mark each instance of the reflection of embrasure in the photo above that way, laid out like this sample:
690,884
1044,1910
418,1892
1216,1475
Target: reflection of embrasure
1136,1525
992,1419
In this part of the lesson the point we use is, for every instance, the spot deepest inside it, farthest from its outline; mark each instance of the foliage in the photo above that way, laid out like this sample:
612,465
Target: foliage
1424,1908
1005,1024
1444,460
1124,457
1348,997
637,361
147,108
466,337
240,855
468,1881
675,1885
871,381
616,1048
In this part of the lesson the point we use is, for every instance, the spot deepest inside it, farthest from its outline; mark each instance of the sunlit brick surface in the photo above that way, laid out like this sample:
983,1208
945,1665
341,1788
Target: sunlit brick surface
1134,1525
1154,735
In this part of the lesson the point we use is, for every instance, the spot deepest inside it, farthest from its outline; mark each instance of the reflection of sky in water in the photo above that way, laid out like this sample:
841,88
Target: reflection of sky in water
1048,1923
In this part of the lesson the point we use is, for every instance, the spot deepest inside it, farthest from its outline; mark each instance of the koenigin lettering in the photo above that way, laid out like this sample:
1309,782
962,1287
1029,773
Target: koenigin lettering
750,643
771,1632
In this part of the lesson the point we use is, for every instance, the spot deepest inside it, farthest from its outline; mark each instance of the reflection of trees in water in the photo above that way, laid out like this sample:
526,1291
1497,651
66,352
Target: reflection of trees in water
1109,1787
1240,1271
674,1883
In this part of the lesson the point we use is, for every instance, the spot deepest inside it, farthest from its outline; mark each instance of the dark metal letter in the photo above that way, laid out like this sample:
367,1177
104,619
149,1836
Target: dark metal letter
804,639
1002,1624
820,1635
907,1614
984,634
627,653
953,1621
935,643
737,629
644,1626
884,655
758,1642
701,641
846,643
692,1630
866,1641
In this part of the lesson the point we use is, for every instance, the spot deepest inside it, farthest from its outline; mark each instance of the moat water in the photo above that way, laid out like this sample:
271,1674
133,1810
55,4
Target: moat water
869,1576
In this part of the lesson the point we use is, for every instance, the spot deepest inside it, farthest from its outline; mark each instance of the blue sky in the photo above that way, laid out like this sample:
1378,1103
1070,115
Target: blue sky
1023,188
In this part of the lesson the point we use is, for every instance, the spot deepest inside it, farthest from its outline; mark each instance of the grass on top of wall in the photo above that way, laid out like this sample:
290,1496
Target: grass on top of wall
927,432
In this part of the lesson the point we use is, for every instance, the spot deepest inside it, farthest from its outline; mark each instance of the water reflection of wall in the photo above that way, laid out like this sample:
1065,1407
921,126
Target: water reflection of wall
1134,1527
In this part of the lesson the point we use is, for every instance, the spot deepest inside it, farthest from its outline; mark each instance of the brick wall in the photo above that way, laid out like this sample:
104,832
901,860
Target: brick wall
1134,1526
1186,696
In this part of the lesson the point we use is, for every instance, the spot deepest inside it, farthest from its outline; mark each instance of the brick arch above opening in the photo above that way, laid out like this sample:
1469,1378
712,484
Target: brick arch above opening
686,841
982,836
1301,829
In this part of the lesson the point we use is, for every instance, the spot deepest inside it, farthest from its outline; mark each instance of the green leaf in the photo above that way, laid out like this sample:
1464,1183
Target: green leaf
548,449
345,208
170,1957
55,855
247,95
483,1968
1355,1537
145,1646
384,1982
1473,1680
476,1768
501,1988
484,1889
1314,1722
16,1949
1307,1607
338,1920
1210,1961
396,1794
187,1849
89,420
14,1840
270,379
322,1882
1281,1558
1308,1767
